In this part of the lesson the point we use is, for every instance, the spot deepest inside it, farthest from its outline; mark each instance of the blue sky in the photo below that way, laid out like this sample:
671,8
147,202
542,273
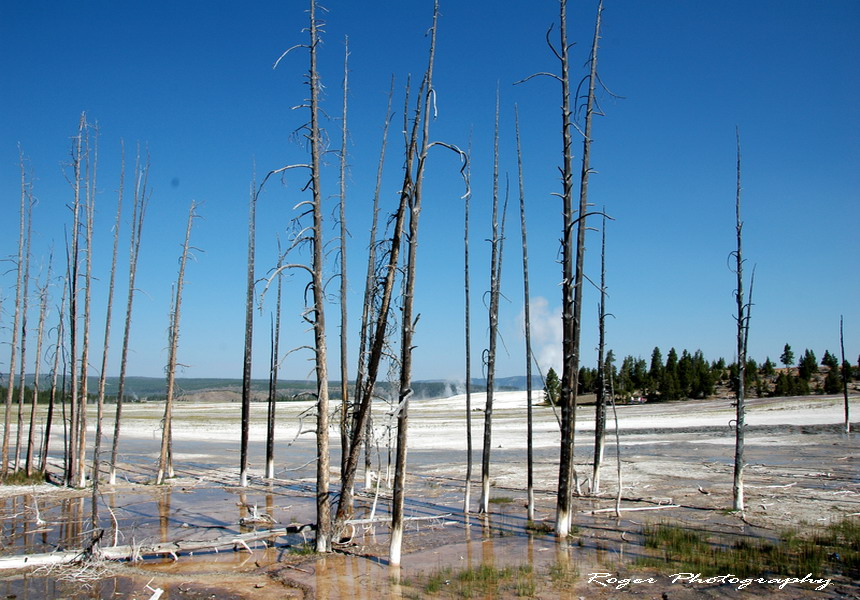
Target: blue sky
195,83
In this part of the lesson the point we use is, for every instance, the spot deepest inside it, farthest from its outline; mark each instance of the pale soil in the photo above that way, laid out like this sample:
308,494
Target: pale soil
802,472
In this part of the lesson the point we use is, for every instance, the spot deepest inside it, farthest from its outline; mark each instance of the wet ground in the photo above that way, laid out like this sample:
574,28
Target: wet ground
801,475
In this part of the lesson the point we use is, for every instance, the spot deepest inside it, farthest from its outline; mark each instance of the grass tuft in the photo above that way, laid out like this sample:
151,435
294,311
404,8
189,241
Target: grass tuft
21,478
833,549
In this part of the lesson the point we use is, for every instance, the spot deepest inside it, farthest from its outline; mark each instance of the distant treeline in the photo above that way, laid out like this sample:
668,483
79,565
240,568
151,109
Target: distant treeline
693,376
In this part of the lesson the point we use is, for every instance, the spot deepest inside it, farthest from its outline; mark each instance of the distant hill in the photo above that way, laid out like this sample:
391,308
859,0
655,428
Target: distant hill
230,390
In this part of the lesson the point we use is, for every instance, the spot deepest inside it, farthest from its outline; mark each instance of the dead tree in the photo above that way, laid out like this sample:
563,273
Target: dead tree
409,321
744,304
467,496
141,175
495,284
97,446
273,379
344,377
572,287
16,322
323,537
73,259
527,327
90,198
600,403
249,334
377,341
24,314
165,461
368,313
43,308
52,401
846,376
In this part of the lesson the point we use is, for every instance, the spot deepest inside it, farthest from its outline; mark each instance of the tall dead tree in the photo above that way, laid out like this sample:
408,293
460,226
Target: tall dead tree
25,301
409,321
572,302
323,537
249,335
165,460
273,378
368,313
744,304
530,508
141,176
73,260
97,445
52,401
493,312
600,403
570,286
846,376
90,200
16,322
344,377
467,496
367,383
31,432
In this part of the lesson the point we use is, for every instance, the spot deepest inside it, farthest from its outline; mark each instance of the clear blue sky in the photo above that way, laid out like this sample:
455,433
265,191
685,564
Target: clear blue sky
195,83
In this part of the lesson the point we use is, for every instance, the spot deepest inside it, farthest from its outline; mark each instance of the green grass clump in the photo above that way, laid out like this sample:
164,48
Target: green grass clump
501,500
21,478
481,581
305,549
833,549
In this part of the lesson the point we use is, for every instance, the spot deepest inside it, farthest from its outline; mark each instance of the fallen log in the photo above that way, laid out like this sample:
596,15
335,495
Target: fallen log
138,551
661,506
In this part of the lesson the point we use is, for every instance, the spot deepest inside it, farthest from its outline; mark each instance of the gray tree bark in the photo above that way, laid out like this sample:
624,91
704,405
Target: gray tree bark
165,460
141,176
530,506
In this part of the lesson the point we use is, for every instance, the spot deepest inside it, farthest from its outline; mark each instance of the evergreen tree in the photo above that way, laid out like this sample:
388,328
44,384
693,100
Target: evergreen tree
784,385
767,369
833,382
787,356
655,372
807,366
552,387
829,360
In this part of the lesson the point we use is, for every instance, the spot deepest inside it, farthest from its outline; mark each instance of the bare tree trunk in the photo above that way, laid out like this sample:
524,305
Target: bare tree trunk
409,322
19,266
344,377
323,537
600,404
24,313
74,275
467,496
572,307
97,447
567,396
165,464
369,295
846,375
58,351
742,318
377,342
530,508
141,176
495,275
249,334
273,379
43,308
91,168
